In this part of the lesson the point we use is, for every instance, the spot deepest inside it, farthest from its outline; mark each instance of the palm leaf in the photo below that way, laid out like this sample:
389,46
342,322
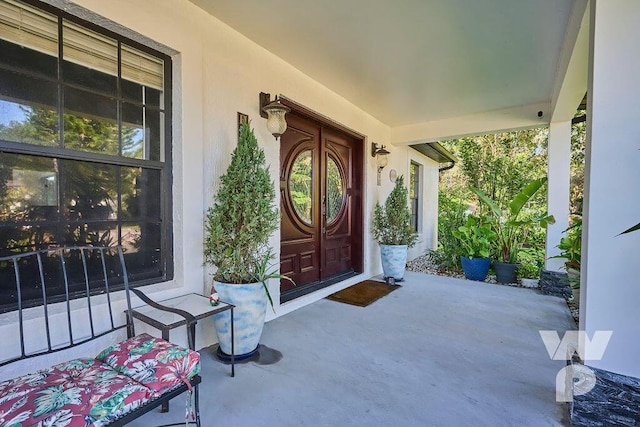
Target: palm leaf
546,220
523,197
634,228
487,200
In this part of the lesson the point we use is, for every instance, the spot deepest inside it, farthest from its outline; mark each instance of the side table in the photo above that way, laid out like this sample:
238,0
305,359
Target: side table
195,304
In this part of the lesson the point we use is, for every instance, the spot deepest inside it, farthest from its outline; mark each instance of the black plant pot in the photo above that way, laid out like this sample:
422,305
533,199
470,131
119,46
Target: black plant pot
505,272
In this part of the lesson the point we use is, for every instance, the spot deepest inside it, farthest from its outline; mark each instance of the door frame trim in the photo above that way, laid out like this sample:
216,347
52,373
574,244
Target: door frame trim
301,110
359,190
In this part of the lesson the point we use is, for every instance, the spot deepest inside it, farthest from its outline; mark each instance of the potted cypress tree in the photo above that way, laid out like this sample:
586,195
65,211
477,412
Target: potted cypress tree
238,226
391,228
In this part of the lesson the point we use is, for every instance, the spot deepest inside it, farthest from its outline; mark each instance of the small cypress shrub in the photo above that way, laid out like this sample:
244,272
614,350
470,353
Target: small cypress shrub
243,215
392,223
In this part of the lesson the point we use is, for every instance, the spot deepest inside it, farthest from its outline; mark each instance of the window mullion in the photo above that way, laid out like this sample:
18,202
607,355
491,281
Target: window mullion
60,85
60,223
64,153
119,94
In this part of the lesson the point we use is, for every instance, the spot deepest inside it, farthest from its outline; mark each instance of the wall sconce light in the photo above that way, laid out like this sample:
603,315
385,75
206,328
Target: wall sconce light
274,112
380,153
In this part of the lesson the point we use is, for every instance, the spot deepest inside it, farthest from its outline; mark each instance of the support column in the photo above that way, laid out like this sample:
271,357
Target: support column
610,294
559,154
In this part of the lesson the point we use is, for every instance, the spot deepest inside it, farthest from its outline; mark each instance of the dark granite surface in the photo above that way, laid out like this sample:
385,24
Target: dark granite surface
554,283
614,401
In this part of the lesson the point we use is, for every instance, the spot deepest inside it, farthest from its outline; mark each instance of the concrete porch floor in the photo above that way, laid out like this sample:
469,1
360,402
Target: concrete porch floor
437,352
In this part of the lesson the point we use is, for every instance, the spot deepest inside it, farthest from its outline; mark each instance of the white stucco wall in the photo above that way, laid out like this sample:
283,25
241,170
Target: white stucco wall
610,290
559,149
217,73
400,160
428,222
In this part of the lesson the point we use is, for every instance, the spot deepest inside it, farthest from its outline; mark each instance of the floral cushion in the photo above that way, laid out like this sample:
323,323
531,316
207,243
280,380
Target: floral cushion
154,362
78,393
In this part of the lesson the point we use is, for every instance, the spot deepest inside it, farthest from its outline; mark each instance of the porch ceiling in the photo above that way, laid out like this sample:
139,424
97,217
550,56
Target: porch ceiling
415,61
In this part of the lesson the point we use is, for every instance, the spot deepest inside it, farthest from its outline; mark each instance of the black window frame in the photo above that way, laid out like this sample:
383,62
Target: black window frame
164,166
414,194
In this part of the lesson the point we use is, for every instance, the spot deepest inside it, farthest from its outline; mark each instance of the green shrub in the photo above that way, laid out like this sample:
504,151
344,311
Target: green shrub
444,261
392,223
531,261
243,216
450,217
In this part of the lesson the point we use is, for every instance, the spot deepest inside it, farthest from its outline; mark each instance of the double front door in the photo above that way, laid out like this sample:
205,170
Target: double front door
321,226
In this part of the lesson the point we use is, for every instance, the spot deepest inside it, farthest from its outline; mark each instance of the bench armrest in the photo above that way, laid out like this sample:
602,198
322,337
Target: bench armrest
189,318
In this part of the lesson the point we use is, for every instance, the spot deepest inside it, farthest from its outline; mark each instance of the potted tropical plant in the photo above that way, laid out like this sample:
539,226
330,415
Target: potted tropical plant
476,238
511,229
238,226
391,228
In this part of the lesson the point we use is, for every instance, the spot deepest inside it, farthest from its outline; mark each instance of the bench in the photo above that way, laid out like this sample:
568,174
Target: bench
118,385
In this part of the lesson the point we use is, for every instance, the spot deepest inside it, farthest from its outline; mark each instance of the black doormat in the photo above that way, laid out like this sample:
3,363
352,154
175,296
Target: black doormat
364,293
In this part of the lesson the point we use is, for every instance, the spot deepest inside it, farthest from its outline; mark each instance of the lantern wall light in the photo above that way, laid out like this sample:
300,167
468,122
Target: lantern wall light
274,112
380,153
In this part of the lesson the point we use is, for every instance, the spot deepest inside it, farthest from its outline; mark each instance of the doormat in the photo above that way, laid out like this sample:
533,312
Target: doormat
364,293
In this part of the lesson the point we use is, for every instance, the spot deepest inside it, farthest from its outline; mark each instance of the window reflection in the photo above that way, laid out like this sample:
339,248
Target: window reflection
90,122
28,109
18,124
154,123
335,193
300,186
140,189
28,188
89,191
97,234
133,140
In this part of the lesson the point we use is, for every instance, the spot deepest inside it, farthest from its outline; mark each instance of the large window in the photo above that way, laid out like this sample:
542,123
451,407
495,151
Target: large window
414,194
84,142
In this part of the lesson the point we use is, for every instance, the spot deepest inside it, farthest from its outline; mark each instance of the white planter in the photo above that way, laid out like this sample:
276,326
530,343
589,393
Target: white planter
251,307
394,260
530,283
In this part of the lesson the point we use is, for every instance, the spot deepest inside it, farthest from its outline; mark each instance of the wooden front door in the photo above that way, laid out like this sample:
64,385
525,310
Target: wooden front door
321,233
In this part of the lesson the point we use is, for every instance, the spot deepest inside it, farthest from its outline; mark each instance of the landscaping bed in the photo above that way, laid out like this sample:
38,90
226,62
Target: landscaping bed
423,264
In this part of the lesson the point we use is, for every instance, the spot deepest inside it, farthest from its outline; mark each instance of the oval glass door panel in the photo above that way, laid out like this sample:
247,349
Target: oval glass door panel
335,190
300,186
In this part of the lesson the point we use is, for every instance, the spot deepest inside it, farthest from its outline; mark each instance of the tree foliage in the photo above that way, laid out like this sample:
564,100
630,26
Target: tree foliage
499,165
392,223
243,215
578,143
451,215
